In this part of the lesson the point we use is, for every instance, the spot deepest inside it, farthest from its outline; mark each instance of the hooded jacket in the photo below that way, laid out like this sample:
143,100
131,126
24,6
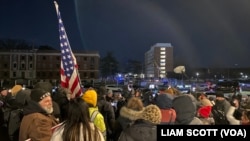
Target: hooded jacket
36,123
185,107
143,129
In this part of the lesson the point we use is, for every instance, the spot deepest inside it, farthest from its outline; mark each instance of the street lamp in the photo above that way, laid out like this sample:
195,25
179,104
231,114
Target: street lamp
197,75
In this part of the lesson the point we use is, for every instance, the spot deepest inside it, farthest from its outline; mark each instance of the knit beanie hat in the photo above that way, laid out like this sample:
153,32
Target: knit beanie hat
16,89
152,113
90,97
47,86
219,94
3,88
205,111
38,94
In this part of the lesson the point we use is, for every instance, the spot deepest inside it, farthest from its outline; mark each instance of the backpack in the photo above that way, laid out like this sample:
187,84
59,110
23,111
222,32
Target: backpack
92,119
14,122
219,116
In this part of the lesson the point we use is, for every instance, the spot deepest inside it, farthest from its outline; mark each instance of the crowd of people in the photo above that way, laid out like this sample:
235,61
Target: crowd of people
41,114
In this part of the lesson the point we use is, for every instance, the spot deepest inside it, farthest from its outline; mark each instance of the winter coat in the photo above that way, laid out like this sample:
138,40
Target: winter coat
141,130
36,123
108,113
164,102
186,109
232,120
125,120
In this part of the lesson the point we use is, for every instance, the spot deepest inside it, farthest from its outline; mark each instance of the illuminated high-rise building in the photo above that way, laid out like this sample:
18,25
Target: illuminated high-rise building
159,60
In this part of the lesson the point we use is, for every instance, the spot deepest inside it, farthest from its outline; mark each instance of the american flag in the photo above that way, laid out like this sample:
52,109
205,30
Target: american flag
69,69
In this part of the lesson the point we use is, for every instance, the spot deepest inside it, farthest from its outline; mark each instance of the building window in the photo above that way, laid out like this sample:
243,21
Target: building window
43,74
163,48
23,66
44,57
30,58
22,57
92,67
14,65
162,56
84,74
14,74
92,60
23,74
92,75
30,66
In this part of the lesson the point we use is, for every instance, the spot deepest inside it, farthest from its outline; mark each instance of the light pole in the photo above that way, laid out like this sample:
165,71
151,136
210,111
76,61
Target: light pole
197,76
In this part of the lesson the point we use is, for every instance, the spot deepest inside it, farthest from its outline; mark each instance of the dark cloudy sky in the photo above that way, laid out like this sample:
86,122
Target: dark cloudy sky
203,32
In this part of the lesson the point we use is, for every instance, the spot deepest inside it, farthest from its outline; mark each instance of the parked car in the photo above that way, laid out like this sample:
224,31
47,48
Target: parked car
228,87
113,88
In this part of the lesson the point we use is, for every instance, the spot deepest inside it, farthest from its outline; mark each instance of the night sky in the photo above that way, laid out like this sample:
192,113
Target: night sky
204,33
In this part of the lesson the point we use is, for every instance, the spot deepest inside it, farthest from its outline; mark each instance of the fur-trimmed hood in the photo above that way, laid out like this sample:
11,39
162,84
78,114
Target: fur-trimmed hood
130,113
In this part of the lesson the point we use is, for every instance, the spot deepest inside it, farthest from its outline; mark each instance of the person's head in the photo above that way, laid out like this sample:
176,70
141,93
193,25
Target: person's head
220,96
110,93
201,96
4,91
162,90
78,111
67,93
185,107
101,91
236,100
77,114
90,97
22,97
135,103
43,98
170,91
47,86
133,109
152,114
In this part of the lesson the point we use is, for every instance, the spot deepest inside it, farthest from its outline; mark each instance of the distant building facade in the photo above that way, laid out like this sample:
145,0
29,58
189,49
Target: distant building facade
159,60
33,65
